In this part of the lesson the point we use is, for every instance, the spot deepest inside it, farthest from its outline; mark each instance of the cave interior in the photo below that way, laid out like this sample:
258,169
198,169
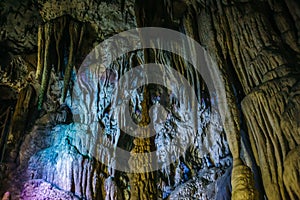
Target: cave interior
150,99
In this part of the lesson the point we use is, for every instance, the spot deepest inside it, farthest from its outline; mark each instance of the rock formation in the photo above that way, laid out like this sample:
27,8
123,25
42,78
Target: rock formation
63,129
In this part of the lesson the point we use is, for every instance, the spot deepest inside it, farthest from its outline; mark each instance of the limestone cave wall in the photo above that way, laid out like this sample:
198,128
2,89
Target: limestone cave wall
60,120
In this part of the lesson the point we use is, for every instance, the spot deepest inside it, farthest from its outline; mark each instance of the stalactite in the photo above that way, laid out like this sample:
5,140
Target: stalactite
4,132
73,32
40,61
242,177
59,27
48,29
169,7
82,31
122,6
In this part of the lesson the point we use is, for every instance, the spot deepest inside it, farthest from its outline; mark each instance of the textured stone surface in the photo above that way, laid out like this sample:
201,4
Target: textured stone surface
109,17
19,23
40,190
254,46
291,171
